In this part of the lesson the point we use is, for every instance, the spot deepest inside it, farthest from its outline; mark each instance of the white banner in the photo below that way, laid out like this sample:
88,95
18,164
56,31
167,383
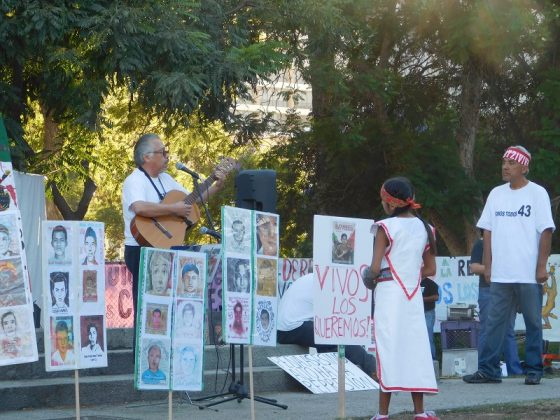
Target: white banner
319,372
342,248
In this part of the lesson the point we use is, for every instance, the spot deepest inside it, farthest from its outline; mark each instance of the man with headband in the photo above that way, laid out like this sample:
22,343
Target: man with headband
518,225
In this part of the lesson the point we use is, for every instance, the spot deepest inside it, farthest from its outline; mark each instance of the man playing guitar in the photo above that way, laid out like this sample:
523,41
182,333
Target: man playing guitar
142,193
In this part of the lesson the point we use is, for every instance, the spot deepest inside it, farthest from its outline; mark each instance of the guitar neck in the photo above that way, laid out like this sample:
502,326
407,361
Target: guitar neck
194,197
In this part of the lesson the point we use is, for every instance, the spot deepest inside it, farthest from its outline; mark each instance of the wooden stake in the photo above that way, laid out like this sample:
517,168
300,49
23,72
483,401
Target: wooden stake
77,392
170,405
251,387
341,382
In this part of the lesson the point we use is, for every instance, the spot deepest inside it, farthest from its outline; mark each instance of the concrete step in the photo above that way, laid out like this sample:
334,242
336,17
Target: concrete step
107,389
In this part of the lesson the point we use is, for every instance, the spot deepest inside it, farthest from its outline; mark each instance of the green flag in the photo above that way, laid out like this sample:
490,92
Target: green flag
4,144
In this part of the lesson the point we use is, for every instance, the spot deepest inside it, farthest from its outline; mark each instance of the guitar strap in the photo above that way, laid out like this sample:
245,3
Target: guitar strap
160,195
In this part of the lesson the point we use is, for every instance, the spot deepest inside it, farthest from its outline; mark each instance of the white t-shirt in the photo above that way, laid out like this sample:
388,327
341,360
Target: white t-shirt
516,219
137,187
296,306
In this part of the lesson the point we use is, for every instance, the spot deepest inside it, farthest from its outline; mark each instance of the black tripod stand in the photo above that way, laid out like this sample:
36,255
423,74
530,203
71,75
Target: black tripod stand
237,389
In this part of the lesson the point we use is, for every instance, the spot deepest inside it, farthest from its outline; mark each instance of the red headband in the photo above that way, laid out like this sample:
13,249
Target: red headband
520,156
388,198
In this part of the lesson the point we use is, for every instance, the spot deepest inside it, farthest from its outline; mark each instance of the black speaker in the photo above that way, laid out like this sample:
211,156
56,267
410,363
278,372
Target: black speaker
256,190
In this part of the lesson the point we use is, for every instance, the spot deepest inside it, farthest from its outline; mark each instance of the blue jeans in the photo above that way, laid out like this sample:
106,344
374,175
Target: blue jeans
509,348
430,321
505,298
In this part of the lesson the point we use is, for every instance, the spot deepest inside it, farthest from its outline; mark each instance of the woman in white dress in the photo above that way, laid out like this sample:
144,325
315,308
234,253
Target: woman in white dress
404,253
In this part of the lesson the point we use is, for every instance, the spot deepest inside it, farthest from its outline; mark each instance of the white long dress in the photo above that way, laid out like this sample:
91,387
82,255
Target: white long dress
404,359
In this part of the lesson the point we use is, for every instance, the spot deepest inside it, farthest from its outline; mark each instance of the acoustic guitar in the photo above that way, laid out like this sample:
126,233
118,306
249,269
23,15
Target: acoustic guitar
168,231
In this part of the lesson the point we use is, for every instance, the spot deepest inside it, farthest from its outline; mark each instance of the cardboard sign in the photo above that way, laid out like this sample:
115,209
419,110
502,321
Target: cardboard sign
319,372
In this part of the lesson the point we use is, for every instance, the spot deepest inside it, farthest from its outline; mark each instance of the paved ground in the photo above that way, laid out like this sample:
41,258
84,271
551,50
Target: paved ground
305,406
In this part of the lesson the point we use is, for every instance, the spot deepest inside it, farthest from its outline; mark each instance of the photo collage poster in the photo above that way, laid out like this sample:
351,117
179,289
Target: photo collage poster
170,320
249,266
18,343
74,295
265,302
237,242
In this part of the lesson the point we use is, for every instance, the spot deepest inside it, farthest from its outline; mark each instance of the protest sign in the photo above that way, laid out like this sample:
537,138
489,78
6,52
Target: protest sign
74,295
342,248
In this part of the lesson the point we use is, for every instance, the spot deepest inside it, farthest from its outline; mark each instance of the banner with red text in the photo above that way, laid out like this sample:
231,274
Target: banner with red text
342,248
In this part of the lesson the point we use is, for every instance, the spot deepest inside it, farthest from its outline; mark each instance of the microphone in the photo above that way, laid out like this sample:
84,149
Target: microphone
204,230
182,167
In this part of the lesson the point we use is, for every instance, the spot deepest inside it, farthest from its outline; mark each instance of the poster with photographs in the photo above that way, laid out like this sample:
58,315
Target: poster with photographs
170,320
343,235
339,295
265,303
18,343
250,291
74,295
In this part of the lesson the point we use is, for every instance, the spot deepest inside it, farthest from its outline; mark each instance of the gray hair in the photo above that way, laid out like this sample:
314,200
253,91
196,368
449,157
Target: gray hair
142,147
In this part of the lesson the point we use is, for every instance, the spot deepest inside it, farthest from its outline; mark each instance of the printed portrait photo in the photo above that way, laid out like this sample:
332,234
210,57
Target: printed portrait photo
59,251
187,367
154,364
237,229
265,321
267,234
239,275
89,286
267,276
238,317
343,235
62,341
90,246
158,272
12,289
156,318
9,246
93,346
15,333
192,277
189,319
59,292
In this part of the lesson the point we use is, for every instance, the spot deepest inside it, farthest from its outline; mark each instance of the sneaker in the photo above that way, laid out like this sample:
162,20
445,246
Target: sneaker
480,378
379,417
532,379
427,415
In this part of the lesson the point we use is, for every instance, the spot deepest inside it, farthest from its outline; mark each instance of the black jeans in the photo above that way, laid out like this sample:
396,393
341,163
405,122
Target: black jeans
304,336
132,261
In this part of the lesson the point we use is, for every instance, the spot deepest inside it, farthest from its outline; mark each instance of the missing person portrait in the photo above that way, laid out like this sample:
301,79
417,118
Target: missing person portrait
64,354
265,319
238,327
10,342
59,242
239,275
191,283
190,322
187,371
5,242
237,234
59,292
267,234
153,375
90,247
266,276
156,320
89,278
92,349
159,273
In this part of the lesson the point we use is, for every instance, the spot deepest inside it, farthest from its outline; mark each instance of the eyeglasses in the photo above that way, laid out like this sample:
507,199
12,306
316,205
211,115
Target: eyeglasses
164,151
